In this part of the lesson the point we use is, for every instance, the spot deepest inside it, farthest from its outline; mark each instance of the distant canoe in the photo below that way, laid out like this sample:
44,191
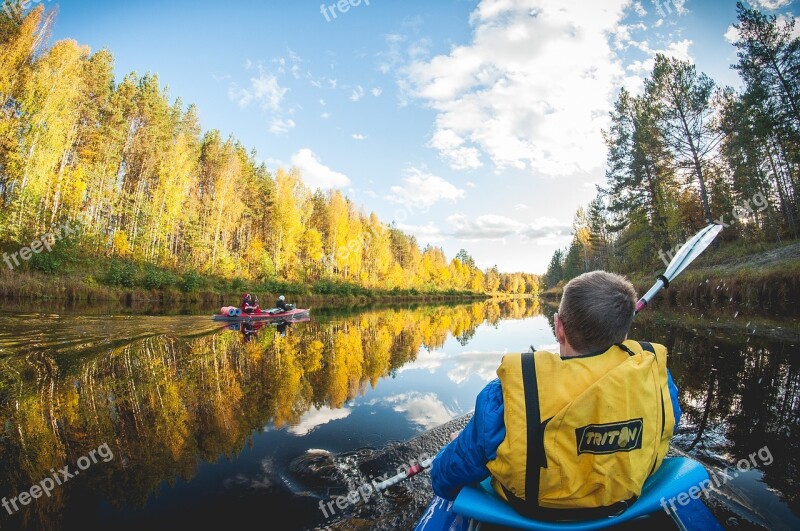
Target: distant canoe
265,315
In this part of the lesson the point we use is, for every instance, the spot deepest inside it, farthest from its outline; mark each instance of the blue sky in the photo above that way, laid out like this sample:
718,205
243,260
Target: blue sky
471,124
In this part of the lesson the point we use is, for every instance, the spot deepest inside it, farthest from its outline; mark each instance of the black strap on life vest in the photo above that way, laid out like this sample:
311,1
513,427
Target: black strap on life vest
649,348
533,423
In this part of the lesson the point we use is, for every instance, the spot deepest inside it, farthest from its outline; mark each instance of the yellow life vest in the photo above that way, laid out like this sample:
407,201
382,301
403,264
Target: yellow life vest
599,426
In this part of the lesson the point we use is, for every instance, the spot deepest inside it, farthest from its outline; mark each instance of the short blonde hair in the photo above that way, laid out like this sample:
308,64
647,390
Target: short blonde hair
597,310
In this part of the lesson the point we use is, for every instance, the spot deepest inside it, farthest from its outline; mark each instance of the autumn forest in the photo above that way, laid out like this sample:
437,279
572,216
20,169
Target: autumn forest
159,202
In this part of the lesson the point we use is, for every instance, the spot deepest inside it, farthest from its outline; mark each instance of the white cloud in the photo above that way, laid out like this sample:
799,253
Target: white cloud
772,4
496,227
532,89
452,148
520,206
424,234
622,34
264,90
485,227
314,173
376,91
278,126
545,228
424,189
400,49
359,136
639,8
640,69
357,94
325,115
732,34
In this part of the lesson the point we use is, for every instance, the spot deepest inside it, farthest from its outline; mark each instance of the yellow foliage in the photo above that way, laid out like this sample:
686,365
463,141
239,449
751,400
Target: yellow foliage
121,245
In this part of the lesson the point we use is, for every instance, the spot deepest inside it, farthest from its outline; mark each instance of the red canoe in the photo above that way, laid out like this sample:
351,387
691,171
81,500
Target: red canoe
266,315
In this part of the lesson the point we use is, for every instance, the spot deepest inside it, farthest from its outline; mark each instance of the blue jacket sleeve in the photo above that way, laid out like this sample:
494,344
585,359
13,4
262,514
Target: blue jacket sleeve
463,460
674,396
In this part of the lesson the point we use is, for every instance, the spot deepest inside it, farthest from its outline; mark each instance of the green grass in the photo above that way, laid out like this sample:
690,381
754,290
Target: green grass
76,277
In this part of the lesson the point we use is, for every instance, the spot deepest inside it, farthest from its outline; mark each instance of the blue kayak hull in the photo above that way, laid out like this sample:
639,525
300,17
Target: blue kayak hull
669,500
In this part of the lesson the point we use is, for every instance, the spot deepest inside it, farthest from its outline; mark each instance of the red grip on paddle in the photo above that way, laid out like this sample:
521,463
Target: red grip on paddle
414,469
640,305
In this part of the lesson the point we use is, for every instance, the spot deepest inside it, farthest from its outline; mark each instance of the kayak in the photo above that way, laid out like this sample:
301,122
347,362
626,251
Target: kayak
262,315
671,499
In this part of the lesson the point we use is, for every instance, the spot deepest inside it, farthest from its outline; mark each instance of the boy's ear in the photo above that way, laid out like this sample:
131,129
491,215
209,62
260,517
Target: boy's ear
560,336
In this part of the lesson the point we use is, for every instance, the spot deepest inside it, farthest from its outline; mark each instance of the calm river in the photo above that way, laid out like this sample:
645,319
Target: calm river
178,421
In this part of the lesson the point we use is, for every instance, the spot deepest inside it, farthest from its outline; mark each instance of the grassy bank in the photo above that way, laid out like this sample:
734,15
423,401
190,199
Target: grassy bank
757,276
126,283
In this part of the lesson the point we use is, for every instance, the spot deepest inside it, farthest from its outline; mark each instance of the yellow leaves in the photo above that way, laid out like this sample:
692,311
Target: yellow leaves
286,219
73,190
311,244
121,245
76,142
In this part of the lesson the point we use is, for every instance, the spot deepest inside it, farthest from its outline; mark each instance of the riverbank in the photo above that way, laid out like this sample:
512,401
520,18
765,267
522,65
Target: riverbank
129,287
756,277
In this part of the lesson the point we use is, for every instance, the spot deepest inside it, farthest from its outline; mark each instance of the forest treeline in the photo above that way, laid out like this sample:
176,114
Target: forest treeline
687,152
143,184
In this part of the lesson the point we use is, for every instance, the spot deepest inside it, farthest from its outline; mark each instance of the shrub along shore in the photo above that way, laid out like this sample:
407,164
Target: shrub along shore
126,284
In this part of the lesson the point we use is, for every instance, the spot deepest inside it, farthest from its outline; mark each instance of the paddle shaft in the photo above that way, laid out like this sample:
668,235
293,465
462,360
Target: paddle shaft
411,471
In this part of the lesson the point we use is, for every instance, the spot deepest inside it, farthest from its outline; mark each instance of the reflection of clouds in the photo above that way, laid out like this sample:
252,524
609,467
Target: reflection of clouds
423,409
481,364
478,363
427,361
258,481
317,417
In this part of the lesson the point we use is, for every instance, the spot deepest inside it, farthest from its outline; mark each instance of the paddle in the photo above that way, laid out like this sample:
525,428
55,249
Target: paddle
685,255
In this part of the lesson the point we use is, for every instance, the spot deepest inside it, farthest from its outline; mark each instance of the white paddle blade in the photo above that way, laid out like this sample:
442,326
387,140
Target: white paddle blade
692,249
688,252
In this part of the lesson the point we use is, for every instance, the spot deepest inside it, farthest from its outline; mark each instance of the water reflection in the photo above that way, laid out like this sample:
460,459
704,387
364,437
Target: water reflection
203,419
166,392
740,392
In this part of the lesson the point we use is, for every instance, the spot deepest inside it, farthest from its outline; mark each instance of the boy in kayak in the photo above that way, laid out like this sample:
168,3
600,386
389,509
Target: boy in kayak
572,435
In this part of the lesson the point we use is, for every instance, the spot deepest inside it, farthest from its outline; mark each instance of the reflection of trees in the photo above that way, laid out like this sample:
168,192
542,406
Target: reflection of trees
739,393
162,403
